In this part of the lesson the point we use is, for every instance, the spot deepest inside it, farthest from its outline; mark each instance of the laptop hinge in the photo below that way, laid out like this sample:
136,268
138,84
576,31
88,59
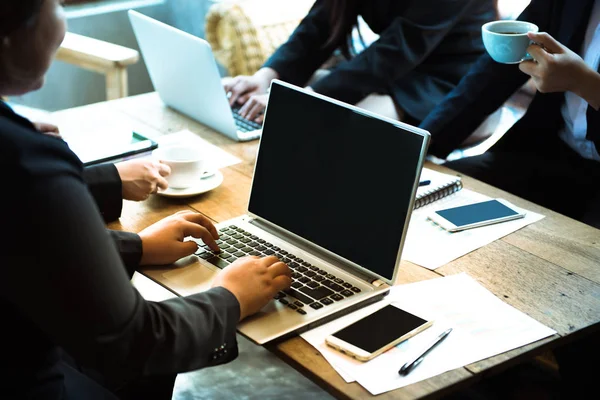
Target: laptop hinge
378,283
308,247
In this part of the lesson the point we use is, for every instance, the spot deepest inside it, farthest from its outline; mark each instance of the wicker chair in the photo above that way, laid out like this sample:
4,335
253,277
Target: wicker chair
244,33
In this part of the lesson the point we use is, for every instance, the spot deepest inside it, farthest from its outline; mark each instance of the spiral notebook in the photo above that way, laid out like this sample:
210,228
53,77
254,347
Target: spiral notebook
441,185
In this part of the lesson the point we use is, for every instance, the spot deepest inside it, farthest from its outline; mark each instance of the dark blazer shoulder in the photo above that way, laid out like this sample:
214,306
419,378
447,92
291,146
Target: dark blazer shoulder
31,154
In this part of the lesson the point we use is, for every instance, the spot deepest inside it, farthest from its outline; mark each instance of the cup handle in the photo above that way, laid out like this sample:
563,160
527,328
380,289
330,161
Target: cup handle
528,57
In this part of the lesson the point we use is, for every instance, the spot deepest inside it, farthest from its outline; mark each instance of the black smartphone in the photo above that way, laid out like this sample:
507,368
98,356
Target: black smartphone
377,332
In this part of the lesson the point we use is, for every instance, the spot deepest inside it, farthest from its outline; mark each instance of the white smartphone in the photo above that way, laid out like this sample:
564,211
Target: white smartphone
475,215
377,332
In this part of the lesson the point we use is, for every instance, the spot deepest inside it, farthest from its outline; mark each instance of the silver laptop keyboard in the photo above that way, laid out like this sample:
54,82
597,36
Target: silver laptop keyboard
311,285
243,124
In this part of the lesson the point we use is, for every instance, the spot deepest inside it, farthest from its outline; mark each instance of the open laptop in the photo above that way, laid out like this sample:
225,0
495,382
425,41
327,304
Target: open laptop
185,75
332,195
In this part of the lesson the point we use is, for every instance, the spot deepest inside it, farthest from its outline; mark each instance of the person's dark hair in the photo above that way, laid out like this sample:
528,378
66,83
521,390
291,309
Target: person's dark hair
15,14
343,17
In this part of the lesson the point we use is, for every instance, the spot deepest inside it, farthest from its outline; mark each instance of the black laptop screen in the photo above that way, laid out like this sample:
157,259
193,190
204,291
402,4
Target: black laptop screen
335,177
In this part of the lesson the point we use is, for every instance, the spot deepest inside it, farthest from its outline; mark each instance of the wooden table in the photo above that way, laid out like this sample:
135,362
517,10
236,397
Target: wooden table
549,270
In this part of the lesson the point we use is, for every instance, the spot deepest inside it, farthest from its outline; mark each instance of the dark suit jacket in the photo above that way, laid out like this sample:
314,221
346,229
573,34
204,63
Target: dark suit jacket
104,183
103,180
65,289
488,85
425,47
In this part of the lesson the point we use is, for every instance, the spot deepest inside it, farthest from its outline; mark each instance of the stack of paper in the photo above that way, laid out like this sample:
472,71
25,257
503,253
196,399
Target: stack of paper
483,326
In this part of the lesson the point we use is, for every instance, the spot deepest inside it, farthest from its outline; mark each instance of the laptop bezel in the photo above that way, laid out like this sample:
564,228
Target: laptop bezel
426,136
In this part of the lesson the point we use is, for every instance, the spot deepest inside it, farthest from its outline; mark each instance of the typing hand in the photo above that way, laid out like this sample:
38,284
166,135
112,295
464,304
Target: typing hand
254,281
163,242
254,108
241,88
140,178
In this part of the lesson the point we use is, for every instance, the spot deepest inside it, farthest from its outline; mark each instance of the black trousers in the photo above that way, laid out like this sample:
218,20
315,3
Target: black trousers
553,176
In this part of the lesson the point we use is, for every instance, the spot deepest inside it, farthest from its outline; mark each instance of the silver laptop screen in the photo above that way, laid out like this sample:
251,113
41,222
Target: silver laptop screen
338,178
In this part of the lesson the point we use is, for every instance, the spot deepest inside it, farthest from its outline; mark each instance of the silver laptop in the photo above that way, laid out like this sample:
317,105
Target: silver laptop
185,75
332,195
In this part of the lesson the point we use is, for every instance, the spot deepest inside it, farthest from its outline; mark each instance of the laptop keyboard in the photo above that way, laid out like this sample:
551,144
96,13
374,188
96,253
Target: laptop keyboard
311,286
243,124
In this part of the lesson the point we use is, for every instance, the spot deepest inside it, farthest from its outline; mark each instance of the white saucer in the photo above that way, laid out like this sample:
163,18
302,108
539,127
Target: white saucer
203,186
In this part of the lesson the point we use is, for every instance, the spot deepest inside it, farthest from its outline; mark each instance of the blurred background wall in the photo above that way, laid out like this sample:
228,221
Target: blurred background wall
68,86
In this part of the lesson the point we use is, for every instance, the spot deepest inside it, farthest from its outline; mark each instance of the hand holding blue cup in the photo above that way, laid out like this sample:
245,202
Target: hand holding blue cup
507,41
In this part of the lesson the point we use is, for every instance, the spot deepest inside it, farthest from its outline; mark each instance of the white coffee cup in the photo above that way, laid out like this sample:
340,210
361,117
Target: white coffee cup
186,162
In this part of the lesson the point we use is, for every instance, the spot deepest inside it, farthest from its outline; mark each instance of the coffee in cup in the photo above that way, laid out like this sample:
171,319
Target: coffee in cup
507,41
186,163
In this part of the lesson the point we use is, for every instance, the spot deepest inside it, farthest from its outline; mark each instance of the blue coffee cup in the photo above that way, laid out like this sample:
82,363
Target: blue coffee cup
506,41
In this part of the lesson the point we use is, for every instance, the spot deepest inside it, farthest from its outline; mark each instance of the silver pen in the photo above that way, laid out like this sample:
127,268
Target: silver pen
412,363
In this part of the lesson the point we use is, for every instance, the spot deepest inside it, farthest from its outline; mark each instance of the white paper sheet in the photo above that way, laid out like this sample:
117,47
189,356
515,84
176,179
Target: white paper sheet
483,326
216,158
430,246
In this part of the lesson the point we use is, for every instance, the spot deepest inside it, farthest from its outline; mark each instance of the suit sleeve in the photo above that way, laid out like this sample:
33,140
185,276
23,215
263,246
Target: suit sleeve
481,92
105,185
400,48
82,299
297,59
129,246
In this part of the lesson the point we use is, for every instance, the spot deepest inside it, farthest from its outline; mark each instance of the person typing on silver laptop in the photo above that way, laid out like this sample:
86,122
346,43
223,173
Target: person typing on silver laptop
332,199
189,82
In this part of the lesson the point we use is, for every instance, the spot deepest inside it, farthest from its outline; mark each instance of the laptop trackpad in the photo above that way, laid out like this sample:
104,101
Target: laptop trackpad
192,275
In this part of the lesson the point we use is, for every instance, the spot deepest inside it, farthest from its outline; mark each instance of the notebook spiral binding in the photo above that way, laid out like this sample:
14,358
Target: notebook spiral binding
437,193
